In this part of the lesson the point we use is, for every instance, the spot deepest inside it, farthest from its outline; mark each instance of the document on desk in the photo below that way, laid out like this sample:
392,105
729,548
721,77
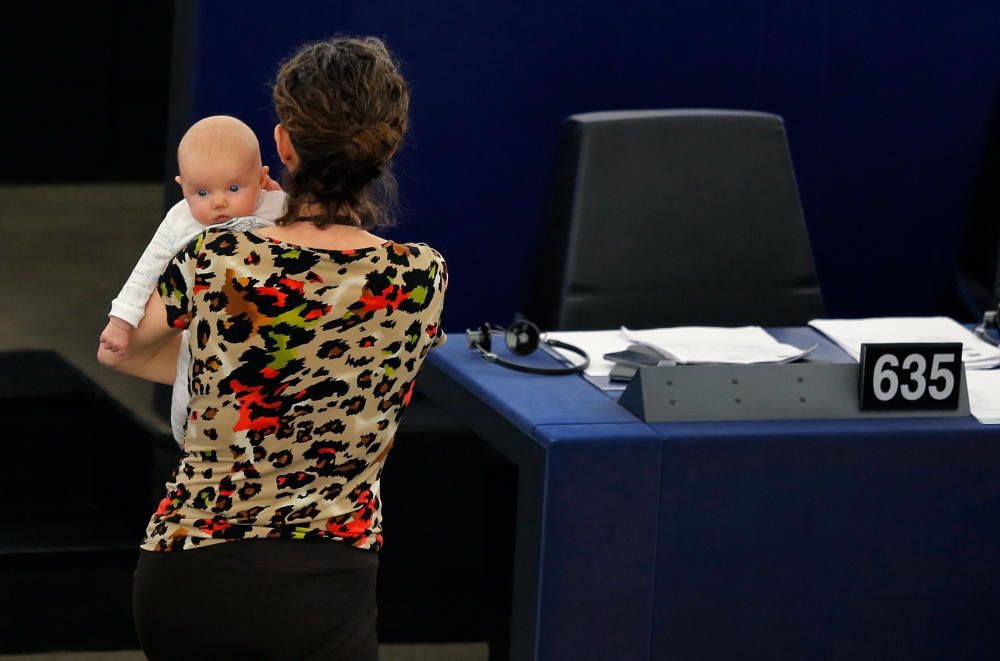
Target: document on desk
849,334
708,345
595,343
984,395
684,344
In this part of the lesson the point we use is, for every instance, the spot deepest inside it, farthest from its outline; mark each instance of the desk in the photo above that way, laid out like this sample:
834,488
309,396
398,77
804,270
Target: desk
810,539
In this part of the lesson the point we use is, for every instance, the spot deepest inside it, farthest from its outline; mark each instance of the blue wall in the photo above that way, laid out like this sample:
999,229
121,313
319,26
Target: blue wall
887,106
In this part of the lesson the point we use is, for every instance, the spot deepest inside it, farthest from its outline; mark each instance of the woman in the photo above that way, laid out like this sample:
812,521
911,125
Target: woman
305,342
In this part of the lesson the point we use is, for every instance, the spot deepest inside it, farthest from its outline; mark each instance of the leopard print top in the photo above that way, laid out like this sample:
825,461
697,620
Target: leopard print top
302,361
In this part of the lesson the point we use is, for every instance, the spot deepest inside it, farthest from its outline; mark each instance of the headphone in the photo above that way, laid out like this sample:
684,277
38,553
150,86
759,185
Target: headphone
522,338
990,320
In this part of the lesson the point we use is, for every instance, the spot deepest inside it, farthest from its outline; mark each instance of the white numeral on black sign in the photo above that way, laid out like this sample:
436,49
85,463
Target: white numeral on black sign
887,372
938,372
910,376
915,365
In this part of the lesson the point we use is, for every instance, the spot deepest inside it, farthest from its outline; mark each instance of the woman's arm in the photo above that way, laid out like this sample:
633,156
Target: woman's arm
152,352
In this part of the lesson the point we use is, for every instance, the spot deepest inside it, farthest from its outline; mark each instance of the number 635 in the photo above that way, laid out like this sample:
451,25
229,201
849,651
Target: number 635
938,384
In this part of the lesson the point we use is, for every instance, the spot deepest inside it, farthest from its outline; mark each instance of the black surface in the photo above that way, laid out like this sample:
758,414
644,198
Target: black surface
72,601
74,499
448,503
86,91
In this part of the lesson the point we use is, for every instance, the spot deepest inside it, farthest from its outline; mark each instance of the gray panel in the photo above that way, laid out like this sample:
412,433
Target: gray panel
756,392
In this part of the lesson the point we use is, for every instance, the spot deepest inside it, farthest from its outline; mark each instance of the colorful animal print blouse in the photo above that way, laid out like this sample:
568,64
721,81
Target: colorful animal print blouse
302,361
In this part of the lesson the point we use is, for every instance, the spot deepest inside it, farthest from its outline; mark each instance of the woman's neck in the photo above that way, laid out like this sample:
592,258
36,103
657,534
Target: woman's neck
333,237
313,210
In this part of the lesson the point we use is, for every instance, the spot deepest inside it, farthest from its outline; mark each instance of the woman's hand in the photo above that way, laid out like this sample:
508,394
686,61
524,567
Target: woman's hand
152,350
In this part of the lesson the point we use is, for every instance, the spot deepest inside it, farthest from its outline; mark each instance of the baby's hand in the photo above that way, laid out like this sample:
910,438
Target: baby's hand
116,335
272,185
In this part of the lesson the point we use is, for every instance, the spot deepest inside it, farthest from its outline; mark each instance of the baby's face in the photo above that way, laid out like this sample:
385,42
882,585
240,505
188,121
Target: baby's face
220,187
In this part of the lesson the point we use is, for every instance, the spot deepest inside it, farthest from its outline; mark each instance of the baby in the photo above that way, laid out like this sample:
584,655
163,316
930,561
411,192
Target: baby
224,183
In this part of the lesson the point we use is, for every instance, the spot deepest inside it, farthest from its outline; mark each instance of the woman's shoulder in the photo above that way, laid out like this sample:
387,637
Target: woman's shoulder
225,237
214,241
231,242
420,251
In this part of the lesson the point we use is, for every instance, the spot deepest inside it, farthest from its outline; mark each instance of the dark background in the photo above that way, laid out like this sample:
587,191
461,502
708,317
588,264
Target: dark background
85,91
888,108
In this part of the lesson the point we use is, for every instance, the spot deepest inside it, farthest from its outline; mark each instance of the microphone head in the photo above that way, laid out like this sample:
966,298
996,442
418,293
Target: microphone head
522,337
479,337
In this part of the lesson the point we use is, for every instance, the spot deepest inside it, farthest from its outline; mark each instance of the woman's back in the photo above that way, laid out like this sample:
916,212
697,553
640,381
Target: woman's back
302,361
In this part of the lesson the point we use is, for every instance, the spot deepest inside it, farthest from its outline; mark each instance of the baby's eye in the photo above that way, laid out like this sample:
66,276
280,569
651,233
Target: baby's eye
202,192
235,188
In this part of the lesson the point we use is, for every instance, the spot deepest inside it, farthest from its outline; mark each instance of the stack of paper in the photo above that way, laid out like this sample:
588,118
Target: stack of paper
595,343
713,345
850,334
688,344
984,395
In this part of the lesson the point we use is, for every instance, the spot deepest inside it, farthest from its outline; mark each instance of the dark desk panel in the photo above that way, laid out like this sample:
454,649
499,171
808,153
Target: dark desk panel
597,554
829,540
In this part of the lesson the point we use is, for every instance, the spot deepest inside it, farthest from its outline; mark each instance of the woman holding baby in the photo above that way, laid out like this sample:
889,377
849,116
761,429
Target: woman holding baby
305,338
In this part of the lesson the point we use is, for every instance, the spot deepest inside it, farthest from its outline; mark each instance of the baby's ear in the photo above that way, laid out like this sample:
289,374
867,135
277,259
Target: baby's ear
178,180
263,177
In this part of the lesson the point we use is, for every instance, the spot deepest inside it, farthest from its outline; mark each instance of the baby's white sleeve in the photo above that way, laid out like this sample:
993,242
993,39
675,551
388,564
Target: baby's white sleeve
130,304
271,205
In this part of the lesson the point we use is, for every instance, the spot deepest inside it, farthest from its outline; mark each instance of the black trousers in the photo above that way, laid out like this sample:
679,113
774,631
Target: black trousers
257,599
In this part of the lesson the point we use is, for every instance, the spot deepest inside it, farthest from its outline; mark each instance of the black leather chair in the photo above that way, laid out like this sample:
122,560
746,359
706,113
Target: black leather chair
978,265
674,217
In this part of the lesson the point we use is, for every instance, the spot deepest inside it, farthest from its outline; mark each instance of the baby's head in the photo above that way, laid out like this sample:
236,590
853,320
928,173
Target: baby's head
220,169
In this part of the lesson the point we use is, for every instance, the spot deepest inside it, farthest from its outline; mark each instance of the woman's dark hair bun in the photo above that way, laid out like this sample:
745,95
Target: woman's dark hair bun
376,144
344,105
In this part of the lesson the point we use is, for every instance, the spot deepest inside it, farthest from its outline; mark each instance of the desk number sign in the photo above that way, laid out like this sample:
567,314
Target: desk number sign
910,376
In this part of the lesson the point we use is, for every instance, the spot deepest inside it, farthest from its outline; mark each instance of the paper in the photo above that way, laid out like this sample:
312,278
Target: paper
685,344
984,395
849,334
745,345
595,343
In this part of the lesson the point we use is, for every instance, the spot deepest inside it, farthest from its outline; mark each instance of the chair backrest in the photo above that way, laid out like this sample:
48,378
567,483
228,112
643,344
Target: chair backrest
978,266
674,217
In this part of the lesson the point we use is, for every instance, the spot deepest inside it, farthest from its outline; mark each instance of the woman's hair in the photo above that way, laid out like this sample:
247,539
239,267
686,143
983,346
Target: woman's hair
344,105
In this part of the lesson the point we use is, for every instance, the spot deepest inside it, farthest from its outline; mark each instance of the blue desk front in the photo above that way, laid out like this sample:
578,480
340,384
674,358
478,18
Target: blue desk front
845,539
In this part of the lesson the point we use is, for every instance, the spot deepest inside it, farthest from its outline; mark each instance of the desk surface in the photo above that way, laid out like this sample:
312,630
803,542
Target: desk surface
528,400
531,401
828,539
